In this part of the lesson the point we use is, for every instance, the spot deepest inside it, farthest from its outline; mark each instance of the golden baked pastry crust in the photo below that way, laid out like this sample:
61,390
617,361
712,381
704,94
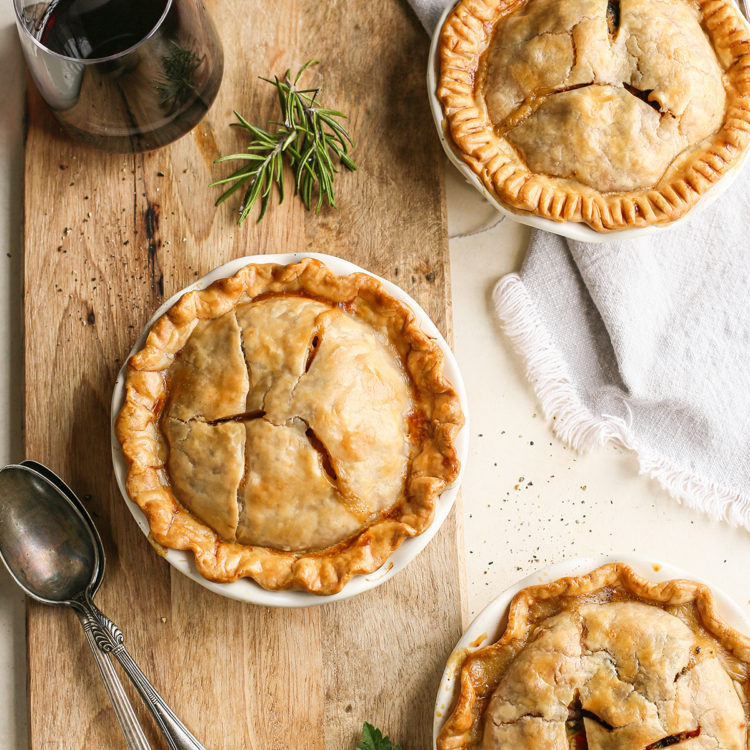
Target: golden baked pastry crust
572,120
180,398
636,663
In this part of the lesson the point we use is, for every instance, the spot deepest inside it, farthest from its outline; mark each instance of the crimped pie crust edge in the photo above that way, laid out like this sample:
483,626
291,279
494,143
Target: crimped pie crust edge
433,466
457,731
463,39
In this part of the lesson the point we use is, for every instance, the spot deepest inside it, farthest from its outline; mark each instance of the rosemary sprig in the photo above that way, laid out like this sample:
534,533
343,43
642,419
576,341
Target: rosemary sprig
175,84
308,135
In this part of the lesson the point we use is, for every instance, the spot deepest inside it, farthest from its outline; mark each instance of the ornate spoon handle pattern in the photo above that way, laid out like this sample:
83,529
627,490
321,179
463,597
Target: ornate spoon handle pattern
108,639
135,739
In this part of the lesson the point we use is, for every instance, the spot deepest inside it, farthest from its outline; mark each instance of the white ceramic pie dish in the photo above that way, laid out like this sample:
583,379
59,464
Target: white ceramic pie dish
247,590
571,229
490,623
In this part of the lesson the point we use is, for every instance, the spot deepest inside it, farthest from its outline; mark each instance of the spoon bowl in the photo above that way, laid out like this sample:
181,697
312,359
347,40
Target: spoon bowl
45,542
51,477
51,548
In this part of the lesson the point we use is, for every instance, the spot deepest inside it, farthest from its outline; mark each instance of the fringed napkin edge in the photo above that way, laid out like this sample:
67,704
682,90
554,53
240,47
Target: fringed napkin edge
578,427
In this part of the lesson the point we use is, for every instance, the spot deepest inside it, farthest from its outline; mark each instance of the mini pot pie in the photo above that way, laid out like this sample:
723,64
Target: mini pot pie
288,425
606,661
618,113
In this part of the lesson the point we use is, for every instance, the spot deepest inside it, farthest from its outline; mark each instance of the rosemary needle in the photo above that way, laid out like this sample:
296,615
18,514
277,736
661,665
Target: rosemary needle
310,138
175,85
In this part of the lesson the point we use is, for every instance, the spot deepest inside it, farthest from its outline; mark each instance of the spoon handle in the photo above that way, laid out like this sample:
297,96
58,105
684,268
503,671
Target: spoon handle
108,637
135,739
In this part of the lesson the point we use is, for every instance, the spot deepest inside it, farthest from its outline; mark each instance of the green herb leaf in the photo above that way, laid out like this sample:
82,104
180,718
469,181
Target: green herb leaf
175,85
372,739
308,136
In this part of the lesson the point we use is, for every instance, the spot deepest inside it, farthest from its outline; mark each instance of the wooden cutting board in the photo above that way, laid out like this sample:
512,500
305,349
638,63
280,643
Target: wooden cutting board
108,237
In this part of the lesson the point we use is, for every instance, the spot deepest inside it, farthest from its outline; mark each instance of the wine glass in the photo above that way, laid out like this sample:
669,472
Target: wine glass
122,75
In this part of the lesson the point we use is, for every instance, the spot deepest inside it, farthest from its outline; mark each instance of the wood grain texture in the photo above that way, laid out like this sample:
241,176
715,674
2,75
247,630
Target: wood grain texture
108,237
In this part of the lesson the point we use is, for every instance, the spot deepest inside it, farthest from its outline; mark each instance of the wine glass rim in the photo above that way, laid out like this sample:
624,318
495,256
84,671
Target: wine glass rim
88,60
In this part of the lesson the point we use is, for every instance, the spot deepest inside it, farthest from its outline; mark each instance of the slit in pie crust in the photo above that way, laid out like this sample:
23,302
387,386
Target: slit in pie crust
606,661
288,425
617,113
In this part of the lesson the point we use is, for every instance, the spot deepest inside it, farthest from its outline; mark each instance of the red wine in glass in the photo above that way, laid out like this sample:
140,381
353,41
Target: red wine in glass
85,29
123,75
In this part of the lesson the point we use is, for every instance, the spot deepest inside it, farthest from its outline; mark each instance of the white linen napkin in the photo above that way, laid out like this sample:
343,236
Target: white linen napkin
646,343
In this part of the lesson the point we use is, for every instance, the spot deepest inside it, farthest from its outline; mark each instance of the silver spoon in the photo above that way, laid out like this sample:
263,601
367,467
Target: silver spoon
52,550
135,739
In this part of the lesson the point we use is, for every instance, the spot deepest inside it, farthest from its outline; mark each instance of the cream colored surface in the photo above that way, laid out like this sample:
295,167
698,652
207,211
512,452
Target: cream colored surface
527,500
